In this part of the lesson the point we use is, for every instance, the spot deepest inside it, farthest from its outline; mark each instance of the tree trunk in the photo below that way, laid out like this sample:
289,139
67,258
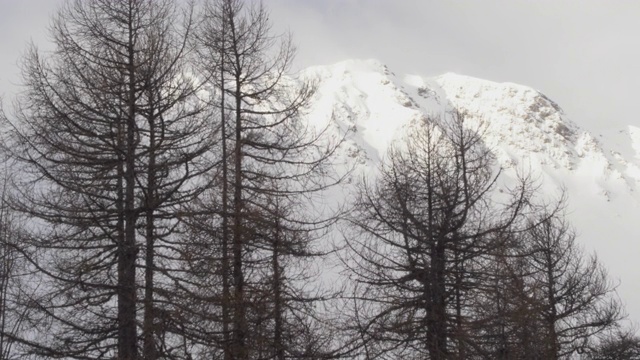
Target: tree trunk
239,314
438,349
127,334
226,291
551,317
277,295
149,346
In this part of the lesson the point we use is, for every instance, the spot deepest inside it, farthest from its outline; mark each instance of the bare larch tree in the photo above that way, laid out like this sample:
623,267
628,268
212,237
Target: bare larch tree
110,137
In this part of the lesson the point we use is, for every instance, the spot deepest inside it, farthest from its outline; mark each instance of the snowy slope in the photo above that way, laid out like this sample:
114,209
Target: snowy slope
525,130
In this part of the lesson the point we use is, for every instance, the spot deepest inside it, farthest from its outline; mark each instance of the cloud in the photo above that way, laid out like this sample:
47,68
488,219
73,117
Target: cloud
558,47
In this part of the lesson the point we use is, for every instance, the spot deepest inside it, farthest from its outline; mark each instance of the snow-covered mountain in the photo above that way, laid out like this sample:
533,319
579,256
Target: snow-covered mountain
525,130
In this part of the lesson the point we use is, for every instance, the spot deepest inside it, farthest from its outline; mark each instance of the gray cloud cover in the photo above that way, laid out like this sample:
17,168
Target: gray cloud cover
583,54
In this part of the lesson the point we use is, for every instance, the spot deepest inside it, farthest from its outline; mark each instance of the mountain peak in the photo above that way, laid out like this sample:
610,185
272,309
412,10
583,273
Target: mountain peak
523,128
520,122
517,121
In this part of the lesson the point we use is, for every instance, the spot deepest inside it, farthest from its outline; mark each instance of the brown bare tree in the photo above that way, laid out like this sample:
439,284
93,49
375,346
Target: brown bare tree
272,165
576,301
111,141
423,231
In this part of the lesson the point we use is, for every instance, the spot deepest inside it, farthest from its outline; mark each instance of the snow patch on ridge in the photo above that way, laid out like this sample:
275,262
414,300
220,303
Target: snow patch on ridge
365,97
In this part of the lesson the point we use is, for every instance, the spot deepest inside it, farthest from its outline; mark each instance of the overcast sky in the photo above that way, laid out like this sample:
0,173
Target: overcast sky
582,54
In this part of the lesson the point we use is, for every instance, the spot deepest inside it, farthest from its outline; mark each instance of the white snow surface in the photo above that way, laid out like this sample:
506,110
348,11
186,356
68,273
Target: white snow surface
524,129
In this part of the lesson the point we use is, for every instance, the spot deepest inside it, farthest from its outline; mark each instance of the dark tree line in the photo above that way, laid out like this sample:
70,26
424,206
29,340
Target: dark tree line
112,141
165,177
161,206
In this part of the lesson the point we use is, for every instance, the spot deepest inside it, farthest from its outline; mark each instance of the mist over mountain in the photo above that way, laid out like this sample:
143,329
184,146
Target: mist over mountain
525,130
